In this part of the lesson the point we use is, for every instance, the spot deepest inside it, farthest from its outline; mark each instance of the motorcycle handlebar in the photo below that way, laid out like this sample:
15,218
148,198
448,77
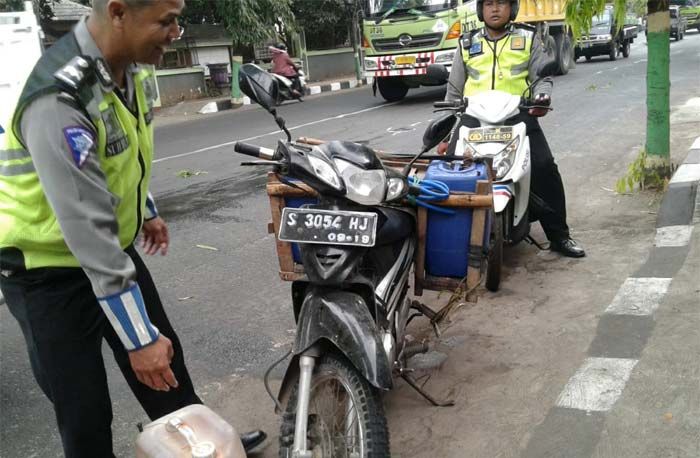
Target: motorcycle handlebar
448,104
254,150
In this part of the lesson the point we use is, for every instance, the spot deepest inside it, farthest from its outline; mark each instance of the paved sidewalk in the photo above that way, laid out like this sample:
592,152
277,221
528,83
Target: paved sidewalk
636,394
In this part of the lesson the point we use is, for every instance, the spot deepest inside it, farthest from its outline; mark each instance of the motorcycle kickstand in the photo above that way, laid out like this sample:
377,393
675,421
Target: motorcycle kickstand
412,382
429,313
532,241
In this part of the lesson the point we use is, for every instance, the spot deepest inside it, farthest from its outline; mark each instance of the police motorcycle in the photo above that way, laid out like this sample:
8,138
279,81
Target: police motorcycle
507,148
357,246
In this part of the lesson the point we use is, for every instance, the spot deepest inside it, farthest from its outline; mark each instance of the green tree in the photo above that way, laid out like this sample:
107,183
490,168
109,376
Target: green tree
656,157
247,21
326,23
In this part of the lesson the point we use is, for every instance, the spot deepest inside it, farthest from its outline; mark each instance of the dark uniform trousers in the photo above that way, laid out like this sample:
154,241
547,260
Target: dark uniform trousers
545,181
63,326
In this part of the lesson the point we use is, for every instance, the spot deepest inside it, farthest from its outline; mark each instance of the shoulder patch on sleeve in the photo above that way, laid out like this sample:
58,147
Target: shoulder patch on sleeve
80,142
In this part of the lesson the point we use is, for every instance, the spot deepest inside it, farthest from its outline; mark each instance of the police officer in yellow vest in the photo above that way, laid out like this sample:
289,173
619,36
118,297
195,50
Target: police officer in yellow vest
506,56
75,165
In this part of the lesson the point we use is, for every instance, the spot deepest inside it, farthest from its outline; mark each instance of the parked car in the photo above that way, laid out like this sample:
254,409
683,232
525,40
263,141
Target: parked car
690,11
678,22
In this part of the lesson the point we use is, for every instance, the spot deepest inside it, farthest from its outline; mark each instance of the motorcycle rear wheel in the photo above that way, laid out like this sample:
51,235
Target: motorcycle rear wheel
346,414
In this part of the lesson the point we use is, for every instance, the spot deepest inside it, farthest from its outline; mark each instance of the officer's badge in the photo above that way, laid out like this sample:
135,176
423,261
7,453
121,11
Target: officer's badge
117,141
517,43
103,72
80,142
476,48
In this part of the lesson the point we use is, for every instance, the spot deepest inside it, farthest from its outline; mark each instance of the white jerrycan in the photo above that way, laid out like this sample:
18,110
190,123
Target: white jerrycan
194,431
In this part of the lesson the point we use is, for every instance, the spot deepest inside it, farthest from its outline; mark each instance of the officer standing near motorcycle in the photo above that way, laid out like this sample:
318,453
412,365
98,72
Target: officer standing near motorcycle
75,166
505,56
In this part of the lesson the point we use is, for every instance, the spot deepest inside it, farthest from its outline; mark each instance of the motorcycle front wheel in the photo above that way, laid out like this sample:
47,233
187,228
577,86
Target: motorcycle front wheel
494,261
346,415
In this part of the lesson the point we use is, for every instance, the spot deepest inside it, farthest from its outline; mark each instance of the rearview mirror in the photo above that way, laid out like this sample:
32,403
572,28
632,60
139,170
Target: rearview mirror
257,84
437,130
438,72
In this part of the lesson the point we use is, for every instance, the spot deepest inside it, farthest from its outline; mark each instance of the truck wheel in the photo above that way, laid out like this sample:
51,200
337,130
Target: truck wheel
613,51
392,89
626,49
562,46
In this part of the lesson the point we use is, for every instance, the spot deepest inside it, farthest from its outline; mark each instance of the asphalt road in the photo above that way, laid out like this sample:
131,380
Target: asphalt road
226,301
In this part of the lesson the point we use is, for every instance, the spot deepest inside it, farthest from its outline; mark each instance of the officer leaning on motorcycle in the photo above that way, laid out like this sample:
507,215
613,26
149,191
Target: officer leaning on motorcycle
506,56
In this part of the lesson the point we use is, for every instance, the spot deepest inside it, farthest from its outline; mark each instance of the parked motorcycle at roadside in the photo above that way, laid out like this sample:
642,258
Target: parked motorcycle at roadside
357,246
508,148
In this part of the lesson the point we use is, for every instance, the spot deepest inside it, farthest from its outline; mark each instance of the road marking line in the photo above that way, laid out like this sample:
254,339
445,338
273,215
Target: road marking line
639,61
599,72
696,144
209,148
597,384
639,296
673,236
686,172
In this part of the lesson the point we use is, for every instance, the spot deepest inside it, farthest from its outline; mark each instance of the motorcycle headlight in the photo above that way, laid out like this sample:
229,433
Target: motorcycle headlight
325,171
396,187
503,161
366,187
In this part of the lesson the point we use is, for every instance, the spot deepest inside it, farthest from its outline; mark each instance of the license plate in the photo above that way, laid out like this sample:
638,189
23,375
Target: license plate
406,60
336,227
491,134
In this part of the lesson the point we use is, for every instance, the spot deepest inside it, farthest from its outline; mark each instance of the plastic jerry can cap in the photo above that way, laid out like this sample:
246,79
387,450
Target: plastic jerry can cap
204,450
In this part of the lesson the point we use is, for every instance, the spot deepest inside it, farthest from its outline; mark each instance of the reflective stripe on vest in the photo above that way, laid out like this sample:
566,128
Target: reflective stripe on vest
125,152
506,69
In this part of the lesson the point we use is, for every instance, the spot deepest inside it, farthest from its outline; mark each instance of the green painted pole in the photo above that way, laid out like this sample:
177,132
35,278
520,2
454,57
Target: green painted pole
658,146
236,96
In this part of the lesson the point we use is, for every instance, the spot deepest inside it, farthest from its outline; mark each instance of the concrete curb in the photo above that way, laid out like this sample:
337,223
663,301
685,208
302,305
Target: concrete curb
577,420
222,105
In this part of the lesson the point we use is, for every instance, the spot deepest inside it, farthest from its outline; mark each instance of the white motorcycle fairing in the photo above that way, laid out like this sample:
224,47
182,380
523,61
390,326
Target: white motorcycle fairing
493,107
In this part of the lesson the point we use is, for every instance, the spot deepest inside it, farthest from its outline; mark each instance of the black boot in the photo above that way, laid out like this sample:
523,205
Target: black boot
252,439
567,247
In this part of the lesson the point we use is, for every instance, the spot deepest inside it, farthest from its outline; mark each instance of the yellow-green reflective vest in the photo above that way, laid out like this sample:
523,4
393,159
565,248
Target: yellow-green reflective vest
29,229
500,65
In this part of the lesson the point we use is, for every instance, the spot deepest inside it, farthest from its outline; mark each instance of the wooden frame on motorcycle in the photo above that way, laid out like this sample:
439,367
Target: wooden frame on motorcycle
480,201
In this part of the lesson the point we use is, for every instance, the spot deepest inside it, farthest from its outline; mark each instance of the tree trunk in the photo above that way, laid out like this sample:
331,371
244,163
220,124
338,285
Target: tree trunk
658,162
